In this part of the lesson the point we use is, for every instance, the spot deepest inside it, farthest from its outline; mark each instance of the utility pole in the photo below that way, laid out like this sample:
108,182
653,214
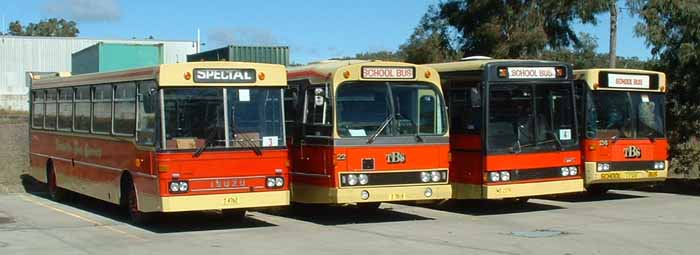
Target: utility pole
613,33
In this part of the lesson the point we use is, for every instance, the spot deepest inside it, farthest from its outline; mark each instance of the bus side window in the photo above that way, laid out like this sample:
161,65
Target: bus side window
465,109
102,108
291,99
124,108
146,119
38,108
317,117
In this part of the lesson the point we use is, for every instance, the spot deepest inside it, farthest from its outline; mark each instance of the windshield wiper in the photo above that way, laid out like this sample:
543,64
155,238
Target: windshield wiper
207,141
251,145
381,128
556,140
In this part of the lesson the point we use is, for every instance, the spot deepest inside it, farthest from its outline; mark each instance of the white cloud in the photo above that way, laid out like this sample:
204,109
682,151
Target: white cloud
83,10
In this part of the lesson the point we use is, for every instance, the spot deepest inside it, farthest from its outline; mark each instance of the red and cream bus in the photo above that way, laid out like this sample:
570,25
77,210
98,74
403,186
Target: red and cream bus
366,132
171,138
513,128
623,127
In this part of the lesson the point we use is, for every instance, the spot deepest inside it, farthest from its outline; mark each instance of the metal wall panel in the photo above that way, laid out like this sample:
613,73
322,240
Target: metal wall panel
22,54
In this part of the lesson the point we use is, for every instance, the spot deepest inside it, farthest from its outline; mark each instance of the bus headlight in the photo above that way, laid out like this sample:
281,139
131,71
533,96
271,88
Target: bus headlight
363,179
494,176
352,179
603,167
564,171
425,176
505,176
435,176
174,187
279,182
179,186
660,165
573,171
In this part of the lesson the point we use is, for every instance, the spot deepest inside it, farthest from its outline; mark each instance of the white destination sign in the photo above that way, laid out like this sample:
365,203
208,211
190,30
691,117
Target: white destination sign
532,73
628,81
224,75
388,73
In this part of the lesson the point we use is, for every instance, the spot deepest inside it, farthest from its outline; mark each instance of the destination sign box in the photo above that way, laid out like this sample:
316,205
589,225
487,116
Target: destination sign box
531,73
388,72
220,75
628,81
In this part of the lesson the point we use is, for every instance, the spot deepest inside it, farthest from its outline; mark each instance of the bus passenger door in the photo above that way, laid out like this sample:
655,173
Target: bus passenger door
314,158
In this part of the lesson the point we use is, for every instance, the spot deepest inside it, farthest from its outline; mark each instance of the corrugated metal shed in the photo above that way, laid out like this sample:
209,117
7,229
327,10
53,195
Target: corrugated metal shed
257,54
22,54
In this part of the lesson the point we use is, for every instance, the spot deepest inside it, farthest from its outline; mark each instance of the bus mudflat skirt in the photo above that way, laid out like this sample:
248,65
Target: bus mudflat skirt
216,201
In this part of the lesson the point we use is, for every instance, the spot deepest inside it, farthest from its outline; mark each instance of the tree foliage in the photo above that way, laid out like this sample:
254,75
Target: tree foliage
47,27
583,55
514,29
671,29
431,41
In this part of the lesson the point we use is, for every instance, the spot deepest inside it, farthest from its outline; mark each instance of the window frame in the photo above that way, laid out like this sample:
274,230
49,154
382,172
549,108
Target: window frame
93,101
70,102
116,100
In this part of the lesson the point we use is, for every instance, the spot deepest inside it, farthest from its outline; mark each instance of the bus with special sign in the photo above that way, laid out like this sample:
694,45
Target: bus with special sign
365,132
513,128
623,127
170,138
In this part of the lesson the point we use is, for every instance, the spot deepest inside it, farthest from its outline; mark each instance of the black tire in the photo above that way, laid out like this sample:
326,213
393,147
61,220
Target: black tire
369,207
136,217
234,214
56,193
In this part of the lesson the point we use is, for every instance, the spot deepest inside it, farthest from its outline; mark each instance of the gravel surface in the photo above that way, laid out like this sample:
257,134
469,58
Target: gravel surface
14,160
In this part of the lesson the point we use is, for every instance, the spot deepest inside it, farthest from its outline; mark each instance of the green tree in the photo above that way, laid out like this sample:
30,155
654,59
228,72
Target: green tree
431,41
46,27
671,29
514,29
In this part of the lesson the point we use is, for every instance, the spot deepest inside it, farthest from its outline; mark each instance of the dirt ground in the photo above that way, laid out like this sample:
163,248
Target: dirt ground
14,159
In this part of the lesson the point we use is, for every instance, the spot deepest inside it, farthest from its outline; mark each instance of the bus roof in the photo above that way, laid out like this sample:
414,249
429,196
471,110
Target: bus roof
480,64
656,81
178,75
338,71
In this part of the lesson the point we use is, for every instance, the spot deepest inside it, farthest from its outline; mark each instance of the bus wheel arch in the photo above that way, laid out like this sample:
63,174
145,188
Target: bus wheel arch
129,200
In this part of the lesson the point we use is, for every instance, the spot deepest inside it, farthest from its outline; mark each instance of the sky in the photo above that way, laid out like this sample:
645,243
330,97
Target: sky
313,29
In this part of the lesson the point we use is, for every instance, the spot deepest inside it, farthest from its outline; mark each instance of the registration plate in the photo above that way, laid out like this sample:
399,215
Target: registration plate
398,196
653,174
234,200
613,176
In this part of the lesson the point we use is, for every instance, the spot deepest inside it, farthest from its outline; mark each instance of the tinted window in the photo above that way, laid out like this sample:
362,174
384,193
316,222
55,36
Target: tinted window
125,108
102,109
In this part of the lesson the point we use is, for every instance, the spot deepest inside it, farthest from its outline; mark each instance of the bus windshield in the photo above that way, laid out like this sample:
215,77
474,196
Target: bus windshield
530,118
625,114
196,116
405,109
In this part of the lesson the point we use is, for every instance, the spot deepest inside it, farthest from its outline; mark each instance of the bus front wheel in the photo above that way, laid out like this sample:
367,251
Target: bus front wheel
135,216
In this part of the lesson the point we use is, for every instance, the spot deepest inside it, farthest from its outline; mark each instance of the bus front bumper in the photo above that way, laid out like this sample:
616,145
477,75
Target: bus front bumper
471,191
325,195
609,177
219,201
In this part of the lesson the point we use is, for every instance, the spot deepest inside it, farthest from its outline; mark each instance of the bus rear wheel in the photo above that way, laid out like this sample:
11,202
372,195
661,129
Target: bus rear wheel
135,216
55,192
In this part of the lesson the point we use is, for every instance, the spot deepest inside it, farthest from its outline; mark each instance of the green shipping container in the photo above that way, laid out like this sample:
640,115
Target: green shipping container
107,57
256,54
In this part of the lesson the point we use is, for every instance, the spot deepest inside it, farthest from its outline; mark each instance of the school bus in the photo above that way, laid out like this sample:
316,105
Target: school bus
513,128
170,138
623,127
366,132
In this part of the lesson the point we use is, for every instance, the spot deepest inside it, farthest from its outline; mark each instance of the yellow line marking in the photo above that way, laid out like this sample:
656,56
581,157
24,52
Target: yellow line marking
25,198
